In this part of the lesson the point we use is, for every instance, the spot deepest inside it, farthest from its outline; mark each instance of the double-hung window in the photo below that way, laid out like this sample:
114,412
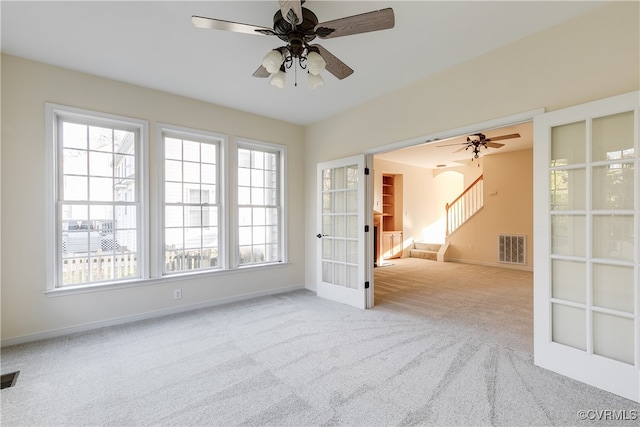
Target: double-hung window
99,199
192,208
96,205
259,203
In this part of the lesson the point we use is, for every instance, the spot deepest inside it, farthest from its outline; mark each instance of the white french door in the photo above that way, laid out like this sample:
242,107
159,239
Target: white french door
342,244
587,243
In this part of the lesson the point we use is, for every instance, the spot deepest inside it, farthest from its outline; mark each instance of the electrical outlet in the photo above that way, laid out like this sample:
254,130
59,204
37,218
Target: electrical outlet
177,294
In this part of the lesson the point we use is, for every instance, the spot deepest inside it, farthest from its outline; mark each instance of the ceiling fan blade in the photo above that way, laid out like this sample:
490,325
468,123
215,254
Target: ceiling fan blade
462,148
261,72
451,145
498,138
334,65
219,24
493,144
291,11
356,24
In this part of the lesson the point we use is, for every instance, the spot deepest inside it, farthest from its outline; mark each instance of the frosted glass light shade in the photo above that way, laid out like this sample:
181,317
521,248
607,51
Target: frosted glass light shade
315,80
316,63
272,61
278,79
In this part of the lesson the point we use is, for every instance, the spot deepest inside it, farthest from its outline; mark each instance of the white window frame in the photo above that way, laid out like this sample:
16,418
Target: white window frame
281,150
221,142
53,264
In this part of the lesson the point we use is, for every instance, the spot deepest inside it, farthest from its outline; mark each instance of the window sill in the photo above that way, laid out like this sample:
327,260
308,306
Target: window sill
109,286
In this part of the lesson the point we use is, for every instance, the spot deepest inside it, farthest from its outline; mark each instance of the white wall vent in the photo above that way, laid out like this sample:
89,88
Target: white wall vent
511,249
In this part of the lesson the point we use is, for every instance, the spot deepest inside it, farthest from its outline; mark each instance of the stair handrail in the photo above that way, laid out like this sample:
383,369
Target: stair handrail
449,206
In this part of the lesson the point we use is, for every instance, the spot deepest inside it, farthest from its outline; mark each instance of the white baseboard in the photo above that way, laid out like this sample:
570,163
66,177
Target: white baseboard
490,264
143,316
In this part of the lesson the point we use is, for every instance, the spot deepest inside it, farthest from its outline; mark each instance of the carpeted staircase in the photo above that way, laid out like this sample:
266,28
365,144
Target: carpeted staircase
425,250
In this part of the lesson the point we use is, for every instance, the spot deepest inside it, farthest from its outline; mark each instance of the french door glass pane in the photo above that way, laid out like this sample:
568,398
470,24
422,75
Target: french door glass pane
568,144
568,280
352,201
327,202
327,249
352,176
613,186
338,181
568,235
339,250
568,189
613,137
569,326
327,272
352,226
613,287
613,237
338,202
339,226
339,275
327,225
613,337
352,251
352,276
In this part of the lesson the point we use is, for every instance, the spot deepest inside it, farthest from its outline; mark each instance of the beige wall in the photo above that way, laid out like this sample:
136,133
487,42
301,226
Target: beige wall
588,58
424,195
592,57
26,86
508,209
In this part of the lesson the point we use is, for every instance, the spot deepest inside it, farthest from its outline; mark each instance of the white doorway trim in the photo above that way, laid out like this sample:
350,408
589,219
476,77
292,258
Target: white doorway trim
510,120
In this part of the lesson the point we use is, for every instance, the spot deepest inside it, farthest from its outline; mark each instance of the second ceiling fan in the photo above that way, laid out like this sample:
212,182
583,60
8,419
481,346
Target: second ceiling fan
298,26
479,140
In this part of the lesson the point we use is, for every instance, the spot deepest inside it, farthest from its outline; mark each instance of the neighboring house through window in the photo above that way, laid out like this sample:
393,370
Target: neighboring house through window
99,200
96,178
259,203
192,203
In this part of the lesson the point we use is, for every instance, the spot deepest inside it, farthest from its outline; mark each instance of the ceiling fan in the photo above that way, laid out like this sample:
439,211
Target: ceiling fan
297,26
478,140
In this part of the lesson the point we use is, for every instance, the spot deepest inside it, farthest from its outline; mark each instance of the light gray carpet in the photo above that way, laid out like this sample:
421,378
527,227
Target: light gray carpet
447,344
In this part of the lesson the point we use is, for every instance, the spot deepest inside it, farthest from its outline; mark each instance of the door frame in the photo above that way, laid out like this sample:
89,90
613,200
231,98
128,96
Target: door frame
514,119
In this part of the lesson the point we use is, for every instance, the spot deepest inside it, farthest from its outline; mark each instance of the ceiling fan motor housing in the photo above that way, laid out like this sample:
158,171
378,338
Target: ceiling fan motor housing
305,30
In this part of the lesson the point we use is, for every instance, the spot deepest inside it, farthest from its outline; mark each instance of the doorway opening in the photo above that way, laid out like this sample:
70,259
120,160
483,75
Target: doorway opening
416,188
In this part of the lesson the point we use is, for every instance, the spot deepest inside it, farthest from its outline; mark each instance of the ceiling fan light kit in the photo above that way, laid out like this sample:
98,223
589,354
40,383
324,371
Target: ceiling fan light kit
315,80
297,26
315,63
278,79
272,61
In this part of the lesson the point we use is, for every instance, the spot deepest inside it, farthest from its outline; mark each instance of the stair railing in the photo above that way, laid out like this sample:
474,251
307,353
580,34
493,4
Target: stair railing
465,205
